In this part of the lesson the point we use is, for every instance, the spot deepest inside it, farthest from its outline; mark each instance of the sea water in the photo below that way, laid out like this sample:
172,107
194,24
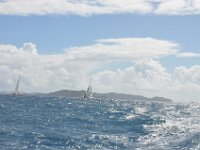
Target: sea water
51,123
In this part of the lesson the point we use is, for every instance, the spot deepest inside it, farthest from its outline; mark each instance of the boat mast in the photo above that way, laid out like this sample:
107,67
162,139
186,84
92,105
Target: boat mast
89,90
88,93
17,87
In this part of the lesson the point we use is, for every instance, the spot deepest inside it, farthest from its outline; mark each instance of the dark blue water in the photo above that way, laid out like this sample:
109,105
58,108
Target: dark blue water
62,123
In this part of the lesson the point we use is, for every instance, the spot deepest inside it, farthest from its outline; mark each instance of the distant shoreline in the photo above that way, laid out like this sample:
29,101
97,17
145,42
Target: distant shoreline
111,95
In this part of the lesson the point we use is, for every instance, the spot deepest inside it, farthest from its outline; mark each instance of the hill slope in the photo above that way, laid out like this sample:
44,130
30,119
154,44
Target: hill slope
69,93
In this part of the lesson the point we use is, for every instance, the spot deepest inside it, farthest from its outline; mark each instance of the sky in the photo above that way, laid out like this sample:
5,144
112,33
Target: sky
140,47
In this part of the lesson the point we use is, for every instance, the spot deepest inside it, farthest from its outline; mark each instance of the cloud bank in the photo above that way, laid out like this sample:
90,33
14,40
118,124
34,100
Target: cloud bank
143,73
99,7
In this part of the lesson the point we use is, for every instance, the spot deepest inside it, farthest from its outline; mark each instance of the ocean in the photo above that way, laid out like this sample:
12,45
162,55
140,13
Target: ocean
51,123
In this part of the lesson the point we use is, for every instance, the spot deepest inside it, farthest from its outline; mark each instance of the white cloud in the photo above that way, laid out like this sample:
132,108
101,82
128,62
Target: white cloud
188,82
191,75
178,7
188,55
95,7
28,48
124,48
72,70
150,78
39,72
85,8
143,77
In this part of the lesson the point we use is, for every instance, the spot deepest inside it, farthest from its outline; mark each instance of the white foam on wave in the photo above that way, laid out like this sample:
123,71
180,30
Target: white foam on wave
140,110
129,117
105,140
181,128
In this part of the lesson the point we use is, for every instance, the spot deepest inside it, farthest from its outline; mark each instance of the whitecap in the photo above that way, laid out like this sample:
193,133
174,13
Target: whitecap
129,116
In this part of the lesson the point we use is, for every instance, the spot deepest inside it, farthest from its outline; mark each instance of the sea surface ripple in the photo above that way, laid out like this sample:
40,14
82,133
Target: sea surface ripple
50,123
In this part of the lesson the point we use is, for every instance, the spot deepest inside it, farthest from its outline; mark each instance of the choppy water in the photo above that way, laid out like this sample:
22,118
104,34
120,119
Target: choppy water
64,123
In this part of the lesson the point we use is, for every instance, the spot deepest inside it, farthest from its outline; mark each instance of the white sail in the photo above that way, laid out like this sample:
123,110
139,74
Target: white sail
88,93
16,92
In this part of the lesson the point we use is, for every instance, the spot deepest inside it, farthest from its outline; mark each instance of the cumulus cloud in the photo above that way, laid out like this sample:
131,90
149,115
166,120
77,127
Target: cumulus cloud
72,69
28,48
39,72
178,7
191,75
150,78
95,7
84,8
143,76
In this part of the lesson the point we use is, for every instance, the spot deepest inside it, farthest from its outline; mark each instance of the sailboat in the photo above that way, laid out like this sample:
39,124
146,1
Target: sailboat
88,94
16,91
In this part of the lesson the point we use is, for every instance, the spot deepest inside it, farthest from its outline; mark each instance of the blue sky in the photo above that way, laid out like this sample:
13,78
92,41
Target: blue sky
53,33
142,47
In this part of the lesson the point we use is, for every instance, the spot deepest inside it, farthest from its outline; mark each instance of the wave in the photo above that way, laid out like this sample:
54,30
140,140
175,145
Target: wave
66,123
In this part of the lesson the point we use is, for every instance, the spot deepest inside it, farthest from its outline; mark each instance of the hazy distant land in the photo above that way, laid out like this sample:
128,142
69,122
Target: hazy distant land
112,95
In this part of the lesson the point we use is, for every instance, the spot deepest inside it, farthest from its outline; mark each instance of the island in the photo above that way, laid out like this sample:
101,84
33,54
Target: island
112,95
